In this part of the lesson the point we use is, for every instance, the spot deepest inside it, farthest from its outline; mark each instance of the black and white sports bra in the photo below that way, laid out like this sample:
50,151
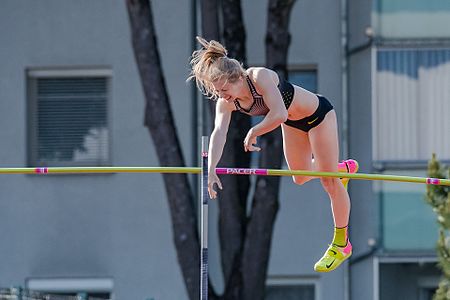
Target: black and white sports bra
258,107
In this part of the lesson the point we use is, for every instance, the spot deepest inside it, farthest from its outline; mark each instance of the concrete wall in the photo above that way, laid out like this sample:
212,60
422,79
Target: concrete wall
90,226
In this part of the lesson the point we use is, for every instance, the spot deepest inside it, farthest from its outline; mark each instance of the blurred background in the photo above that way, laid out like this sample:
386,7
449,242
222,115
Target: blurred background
71,95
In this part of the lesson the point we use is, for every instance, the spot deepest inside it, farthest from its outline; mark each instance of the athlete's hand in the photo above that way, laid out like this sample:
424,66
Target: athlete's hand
213,179
250,141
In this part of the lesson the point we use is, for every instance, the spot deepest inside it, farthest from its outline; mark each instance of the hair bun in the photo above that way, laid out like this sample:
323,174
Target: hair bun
213,49
210,63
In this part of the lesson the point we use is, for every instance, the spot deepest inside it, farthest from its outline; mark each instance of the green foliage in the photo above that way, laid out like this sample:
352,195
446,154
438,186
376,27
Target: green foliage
439,198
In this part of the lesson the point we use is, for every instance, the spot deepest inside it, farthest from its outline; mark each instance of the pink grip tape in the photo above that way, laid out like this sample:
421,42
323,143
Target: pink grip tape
41,170
433,181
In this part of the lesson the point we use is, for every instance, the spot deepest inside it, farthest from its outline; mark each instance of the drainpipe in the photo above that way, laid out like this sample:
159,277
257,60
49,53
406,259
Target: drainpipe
194,107
344,78
345,109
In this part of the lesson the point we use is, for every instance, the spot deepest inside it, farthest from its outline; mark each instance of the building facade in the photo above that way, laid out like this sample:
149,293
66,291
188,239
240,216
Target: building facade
398,61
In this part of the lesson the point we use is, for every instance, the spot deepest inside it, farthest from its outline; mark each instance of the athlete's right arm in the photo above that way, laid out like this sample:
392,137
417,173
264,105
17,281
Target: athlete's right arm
217,142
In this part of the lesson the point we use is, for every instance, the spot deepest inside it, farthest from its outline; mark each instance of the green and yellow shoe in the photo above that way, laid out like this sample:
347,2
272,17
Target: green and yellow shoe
333,257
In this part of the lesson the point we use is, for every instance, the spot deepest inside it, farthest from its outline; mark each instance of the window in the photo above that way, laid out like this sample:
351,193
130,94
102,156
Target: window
19,293
291,289
428,285
412,18
427,293
304,77
72,288
408,222
412,104
79,296
290,292
68,117
408,278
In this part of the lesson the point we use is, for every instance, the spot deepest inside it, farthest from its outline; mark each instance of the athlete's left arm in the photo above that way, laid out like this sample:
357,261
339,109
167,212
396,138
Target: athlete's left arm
272,98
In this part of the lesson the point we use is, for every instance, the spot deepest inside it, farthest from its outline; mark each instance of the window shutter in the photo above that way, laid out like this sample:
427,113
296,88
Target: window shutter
412,105
69,122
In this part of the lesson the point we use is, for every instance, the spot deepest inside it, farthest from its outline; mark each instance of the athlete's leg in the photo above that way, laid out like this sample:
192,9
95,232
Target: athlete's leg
325,146
297,152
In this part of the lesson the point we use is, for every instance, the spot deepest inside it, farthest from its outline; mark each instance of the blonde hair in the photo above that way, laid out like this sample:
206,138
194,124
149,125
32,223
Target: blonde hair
210,64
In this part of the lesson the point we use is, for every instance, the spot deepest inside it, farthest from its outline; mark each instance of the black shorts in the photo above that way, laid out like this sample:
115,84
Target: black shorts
306,124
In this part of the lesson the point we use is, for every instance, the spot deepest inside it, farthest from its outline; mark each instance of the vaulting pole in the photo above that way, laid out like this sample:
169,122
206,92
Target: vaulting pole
204,222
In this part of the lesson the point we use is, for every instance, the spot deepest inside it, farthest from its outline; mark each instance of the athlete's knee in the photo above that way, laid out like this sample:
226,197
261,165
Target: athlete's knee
300,179
330,185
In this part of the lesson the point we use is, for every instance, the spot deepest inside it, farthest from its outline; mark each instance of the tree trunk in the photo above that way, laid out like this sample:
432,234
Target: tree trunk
265,201
159,120
245,240
209,10
278,37
233,198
